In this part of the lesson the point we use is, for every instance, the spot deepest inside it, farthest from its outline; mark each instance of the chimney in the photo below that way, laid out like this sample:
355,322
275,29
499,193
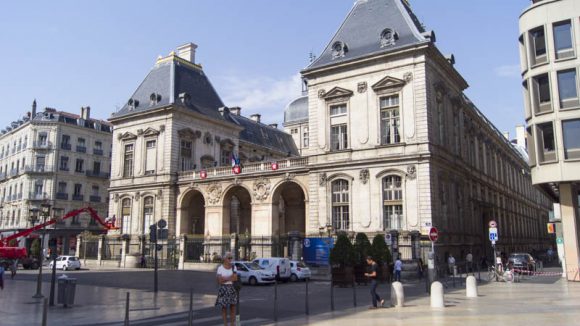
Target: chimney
33,108
521,136
256,117
85,112
236,110
187,52
273,125
506,134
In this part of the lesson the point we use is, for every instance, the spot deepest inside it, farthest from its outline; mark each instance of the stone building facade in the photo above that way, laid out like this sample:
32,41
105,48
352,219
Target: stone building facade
58,158
384,142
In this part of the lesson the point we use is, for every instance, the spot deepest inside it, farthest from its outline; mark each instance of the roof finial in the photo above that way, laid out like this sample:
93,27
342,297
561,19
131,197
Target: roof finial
311,56
34,108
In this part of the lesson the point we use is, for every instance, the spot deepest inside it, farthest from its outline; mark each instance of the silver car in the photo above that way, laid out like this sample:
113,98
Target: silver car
66,262
299,271
253,274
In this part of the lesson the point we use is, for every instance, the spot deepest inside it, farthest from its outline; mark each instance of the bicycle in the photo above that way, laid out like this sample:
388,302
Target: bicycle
500,275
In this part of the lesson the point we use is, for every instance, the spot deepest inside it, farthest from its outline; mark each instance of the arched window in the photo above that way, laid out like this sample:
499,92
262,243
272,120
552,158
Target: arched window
147,213
126,215
340,205
392,202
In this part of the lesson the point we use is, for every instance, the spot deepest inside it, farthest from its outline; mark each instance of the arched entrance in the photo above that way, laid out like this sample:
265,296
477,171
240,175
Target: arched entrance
237,219
193,214
289,220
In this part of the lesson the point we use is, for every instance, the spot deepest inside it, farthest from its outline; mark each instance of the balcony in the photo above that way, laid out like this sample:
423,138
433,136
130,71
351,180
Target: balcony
81,149
42,145
97,151
95,199
97,174
2,176
38,196
64,168
66,146
62,195
13,173
38,169
78,197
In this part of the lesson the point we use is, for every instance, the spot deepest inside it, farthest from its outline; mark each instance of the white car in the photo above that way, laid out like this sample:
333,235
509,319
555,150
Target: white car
252,274
279,266
66,263
299,271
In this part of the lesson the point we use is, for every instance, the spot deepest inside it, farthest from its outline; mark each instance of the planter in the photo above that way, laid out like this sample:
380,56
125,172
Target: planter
342,276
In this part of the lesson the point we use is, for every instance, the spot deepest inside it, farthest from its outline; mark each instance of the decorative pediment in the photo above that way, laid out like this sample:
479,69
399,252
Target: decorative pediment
389,85
127,136
150,132
189,133
227,143
337,94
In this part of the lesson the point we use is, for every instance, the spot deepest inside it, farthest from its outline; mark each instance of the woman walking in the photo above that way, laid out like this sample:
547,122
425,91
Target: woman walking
227,294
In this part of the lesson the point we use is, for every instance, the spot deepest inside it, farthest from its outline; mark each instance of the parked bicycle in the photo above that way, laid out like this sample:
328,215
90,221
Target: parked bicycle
500,275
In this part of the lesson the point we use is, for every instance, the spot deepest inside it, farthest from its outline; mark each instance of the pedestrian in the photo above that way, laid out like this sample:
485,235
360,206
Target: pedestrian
1,277
469,261
451,264
397,269
13,268
372,275
227,294
143,262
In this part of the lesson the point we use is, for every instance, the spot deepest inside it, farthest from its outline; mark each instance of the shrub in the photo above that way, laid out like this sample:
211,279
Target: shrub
343,254
362,247
35,248
380,251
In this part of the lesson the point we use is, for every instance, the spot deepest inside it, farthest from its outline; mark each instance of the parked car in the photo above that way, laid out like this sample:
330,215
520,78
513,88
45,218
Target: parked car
253,274
279,266
299,271
522,260
66,263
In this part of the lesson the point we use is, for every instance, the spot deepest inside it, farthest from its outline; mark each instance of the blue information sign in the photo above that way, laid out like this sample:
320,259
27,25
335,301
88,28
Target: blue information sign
317,250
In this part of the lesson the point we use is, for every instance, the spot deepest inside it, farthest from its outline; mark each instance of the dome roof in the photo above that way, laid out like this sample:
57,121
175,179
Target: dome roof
297,110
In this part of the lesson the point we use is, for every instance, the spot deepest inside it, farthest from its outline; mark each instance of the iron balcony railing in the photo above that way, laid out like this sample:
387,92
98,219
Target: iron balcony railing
97,174
95,199
38,169
62,195
78,197
66,146
42,145
97,151
38,196
81,149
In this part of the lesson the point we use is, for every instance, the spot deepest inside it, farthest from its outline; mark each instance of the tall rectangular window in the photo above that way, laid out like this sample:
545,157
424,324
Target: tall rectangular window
390,120
563,40
546,143
151,157
340,205
65,142
571,132
62,187
339,109
338,137
305,137
78,189
538,46
542,94
126,215
568,88
128,161
63,163
80,165
186,154
40,162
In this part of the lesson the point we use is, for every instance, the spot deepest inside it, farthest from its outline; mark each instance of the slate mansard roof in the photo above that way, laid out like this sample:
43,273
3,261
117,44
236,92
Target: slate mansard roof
264,136
373,27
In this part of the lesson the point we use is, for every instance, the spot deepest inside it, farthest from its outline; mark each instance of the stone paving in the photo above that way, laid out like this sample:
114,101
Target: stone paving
534,301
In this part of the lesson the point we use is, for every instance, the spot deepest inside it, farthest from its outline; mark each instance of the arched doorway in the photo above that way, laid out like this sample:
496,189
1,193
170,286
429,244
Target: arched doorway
237,219
289,220
193,214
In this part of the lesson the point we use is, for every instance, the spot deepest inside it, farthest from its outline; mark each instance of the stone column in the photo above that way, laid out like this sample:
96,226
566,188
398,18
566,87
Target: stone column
568,204
78,251
124,248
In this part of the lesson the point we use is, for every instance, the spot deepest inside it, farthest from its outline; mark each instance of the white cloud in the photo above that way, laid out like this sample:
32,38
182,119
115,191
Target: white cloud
508,71
264,95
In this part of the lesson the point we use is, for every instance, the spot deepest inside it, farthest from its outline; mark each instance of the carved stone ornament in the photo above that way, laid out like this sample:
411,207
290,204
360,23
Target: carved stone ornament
323,179
116,198
214,192
321,93
289,176
411,172
408,77
137,196
237,181
159,192
162,128
139,132
364,176
261,189
362,87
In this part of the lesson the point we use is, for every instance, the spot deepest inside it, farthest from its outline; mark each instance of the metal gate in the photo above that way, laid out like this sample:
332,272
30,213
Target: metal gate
167,254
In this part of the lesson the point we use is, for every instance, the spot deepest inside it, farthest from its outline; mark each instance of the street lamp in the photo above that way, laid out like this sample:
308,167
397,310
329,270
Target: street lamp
329,229
54,253
33,219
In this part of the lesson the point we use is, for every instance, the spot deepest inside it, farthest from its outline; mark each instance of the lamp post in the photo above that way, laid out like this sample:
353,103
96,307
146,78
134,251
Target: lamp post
33,219
53,256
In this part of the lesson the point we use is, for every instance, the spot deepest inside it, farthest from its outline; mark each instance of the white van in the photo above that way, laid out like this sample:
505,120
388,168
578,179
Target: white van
280,266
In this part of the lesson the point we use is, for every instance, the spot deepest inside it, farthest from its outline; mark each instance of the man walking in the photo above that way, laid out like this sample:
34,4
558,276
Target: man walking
372,274
397,269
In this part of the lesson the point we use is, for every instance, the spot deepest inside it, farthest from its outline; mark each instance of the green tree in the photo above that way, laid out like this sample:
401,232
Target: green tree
35,248
343,254
362,247
380,251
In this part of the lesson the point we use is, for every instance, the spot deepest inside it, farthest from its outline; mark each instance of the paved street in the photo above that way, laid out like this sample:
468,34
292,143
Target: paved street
101,295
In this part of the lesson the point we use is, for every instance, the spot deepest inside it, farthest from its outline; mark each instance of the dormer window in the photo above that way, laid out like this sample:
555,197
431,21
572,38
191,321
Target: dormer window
388,37
154,98
339,50
133,104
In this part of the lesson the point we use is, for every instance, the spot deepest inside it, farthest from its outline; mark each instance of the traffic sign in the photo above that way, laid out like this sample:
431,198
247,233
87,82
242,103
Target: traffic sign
492,224
433,234
559,240
493,237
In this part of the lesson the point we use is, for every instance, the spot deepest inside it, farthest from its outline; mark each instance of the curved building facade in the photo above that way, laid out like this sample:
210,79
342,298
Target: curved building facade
550,61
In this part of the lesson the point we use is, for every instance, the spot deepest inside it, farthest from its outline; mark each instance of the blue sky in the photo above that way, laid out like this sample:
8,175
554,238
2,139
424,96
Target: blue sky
69,54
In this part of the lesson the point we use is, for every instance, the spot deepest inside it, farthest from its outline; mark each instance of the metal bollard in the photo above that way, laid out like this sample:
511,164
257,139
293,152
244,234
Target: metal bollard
127,311
44,312
190,317
306,301
354,291
238,318
276,301
331,295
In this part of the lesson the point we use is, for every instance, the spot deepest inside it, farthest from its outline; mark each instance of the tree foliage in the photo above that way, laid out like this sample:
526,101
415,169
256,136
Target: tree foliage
380,251
362,247
35,248
343,254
